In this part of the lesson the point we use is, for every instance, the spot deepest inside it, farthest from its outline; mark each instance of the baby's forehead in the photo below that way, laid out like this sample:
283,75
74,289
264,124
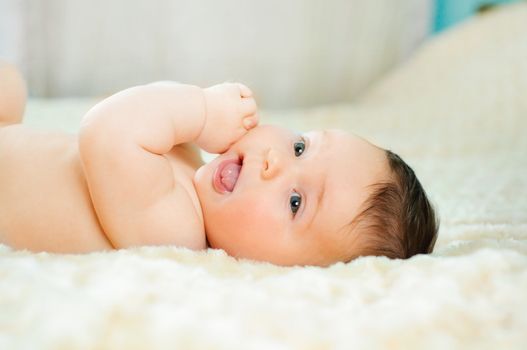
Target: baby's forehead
346,139
335,133
351,165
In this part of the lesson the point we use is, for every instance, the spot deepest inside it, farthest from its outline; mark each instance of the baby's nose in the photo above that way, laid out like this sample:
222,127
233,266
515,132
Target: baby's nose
272,164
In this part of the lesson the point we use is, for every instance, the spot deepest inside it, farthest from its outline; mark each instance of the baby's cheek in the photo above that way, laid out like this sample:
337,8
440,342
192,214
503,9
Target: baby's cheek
229,216
260,219
253,206
245,212
254,232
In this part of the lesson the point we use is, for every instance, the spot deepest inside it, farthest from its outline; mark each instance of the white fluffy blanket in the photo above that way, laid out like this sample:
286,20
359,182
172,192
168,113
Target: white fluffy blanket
457,111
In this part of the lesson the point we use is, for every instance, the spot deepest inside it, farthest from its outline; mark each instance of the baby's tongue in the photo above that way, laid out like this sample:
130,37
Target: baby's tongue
229,175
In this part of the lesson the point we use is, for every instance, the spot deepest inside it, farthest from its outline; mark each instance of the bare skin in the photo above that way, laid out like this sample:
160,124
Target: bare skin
133,176
294,197
126,179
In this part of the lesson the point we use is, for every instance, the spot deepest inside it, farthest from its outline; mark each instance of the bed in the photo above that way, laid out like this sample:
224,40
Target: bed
456,111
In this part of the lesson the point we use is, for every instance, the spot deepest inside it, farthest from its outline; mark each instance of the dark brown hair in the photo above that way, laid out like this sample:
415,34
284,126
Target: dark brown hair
397,221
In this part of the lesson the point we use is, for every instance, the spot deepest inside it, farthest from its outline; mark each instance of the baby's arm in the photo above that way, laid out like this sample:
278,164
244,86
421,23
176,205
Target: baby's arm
156,116
122,143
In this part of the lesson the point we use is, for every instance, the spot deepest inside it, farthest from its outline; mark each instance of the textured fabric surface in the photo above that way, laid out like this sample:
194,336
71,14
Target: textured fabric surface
457,112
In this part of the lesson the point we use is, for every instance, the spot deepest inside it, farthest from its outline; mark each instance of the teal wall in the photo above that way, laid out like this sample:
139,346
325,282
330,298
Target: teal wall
450,12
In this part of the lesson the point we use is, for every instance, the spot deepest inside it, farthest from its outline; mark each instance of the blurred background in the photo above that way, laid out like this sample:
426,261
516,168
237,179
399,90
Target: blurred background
292,53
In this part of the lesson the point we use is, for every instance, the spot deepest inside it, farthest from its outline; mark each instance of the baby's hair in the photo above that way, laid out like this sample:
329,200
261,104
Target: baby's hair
397,221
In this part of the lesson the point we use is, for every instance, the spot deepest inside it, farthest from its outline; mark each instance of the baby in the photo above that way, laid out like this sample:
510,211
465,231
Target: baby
133,176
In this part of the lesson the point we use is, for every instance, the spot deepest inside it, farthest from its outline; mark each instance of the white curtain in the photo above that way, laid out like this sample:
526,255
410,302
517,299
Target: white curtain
292,53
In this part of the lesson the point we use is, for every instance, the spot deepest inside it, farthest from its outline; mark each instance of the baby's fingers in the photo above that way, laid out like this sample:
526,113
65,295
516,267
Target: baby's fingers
251,121
244,90
247,106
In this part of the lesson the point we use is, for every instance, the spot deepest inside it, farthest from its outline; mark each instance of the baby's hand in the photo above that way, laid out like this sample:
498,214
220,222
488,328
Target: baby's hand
231,112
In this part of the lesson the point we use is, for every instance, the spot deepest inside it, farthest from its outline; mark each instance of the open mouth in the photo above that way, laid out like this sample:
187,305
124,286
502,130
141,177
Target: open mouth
226,175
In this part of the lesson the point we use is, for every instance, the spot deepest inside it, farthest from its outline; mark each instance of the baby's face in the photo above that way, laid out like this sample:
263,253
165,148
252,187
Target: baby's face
293,196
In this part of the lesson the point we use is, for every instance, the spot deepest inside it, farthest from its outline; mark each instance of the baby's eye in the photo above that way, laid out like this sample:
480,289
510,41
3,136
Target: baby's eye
294,201
299,147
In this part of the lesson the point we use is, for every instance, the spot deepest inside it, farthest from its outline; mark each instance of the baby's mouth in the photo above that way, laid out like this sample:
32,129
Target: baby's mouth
226,175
